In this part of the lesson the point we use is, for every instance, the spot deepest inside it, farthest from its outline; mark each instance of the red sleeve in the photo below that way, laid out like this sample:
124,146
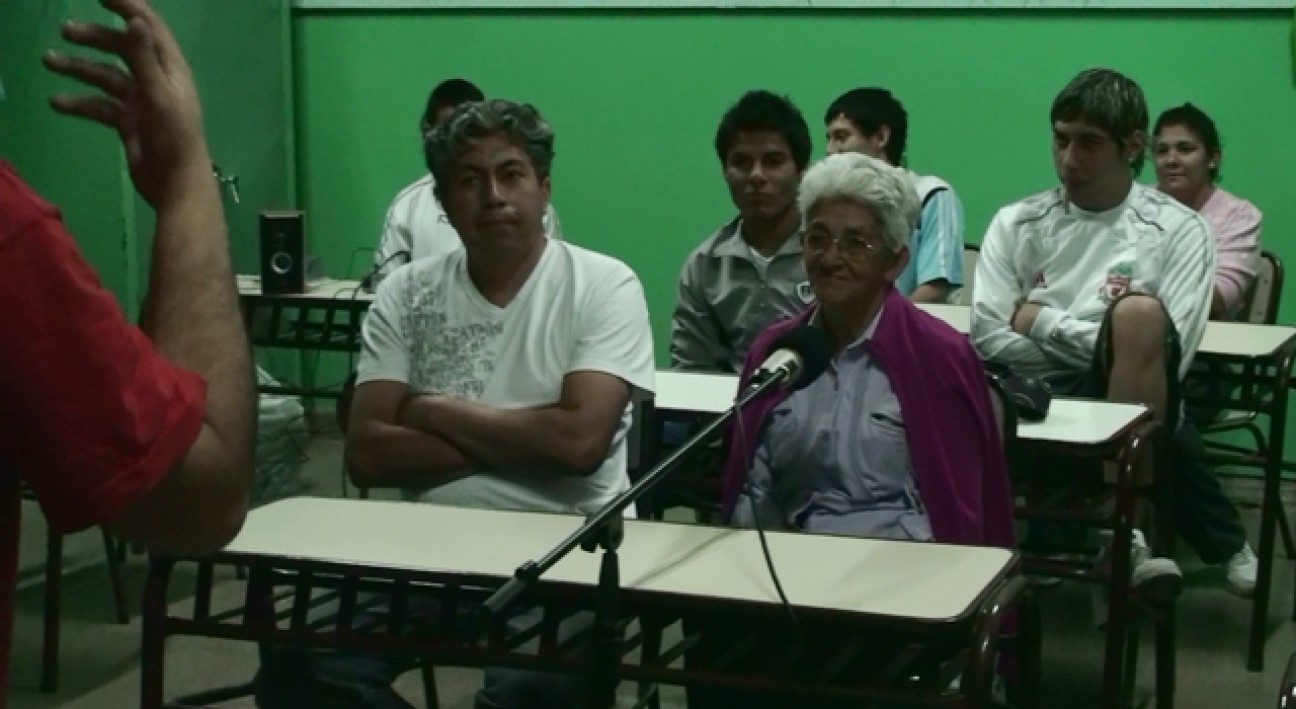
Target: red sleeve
91,416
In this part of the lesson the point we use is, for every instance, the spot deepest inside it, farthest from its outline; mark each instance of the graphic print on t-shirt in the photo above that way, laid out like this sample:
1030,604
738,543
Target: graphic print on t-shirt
1118,282
448,359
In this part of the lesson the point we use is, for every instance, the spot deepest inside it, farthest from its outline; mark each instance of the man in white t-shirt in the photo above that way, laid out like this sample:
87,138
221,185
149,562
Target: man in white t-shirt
1102,286
496,376
416,226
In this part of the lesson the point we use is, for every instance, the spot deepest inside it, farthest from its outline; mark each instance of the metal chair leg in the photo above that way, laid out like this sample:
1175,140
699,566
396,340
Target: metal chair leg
1030,652
651,630
1270,513
1271,507
1165,658
1284,528
1163,619
115,578
153,615
1119,602
1130,672
53,600
429,685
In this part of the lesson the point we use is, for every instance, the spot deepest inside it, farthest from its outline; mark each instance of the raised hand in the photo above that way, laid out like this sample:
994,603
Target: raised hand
152,104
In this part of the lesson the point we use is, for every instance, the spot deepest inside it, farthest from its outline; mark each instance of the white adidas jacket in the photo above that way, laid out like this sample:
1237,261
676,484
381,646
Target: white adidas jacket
1076,263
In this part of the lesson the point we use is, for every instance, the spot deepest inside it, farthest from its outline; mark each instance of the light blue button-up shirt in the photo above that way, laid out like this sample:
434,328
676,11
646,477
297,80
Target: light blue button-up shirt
834,459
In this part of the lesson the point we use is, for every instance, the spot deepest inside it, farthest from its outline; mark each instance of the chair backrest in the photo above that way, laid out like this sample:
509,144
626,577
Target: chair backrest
971,252
635,436
1266,292
343,410
1005,411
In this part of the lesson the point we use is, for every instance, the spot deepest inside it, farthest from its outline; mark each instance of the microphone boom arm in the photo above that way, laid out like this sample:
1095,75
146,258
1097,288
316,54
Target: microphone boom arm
588,536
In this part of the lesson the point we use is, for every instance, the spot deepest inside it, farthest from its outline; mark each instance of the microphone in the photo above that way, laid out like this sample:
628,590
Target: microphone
798,358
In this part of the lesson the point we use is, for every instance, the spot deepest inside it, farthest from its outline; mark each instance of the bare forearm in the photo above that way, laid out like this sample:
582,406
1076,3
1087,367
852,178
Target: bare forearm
191,311
397,456
544,438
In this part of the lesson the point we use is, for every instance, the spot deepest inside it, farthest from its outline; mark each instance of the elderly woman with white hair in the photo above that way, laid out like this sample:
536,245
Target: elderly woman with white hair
897,439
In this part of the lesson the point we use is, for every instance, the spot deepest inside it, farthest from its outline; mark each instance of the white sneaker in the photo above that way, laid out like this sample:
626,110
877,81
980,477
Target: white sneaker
1154,579
1240,572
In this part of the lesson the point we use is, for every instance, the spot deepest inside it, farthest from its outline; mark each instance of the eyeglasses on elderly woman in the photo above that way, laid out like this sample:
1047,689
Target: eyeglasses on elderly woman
852,247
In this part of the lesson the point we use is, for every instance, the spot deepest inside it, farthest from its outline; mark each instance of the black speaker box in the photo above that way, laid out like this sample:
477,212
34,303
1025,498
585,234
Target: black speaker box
283,252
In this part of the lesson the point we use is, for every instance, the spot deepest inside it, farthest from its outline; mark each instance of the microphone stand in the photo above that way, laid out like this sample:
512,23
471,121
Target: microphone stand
603,529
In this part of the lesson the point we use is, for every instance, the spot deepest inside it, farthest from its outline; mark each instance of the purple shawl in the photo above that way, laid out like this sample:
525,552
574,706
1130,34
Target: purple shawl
950,427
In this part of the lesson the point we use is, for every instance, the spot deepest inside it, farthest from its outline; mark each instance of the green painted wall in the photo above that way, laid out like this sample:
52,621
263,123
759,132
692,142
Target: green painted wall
635,98
71,163
79,167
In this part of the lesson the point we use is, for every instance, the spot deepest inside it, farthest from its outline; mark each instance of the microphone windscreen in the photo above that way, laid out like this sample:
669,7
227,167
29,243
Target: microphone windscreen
815,350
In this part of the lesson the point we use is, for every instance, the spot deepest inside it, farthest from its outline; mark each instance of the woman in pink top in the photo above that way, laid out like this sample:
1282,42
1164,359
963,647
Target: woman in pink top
1187,159
1188,155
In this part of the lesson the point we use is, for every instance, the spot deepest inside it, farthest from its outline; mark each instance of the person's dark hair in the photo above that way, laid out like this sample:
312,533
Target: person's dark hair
763,110
1195,120
870,109
1109,100
519,122
449,93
